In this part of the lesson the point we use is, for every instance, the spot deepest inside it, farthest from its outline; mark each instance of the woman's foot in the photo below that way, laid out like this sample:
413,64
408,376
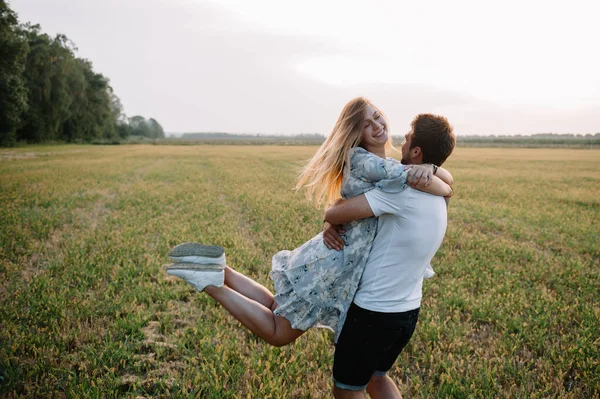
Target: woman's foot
198,276
192,252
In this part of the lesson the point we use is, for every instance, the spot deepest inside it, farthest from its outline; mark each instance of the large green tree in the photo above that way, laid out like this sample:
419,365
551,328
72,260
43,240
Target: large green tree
68,100
150,128
13,93
156,128
50,63
47,93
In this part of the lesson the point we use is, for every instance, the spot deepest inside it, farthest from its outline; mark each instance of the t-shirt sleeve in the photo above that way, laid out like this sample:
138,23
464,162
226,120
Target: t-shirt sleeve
384,202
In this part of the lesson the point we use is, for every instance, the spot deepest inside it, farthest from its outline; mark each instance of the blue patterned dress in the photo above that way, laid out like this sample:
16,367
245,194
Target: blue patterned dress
315,285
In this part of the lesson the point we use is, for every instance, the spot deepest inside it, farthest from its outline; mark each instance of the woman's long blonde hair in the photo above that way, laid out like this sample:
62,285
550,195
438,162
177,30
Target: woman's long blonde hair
323,174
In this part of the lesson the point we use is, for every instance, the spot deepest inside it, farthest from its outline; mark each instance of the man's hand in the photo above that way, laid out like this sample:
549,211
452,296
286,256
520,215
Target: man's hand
331,236
419,174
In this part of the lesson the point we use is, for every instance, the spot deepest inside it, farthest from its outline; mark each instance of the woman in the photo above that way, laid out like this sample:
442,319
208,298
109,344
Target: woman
314,284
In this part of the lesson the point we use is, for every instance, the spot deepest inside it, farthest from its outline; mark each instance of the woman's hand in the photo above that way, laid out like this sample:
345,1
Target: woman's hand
419,174
331,236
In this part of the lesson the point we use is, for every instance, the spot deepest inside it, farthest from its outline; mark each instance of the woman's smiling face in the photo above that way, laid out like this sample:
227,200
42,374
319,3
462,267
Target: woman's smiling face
375,133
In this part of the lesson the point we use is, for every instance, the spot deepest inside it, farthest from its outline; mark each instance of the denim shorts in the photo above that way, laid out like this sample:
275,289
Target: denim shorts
369,345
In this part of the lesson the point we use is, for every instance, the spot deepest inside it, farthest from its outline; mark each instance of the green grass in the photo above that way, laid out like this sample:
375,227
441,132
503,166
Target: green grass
86,309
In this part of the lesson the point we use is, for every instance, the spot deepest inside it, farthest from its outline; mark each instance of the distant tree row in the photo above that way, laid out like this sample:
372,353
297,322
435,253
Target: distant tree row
140,126
532,141
243,136
49,94
573,136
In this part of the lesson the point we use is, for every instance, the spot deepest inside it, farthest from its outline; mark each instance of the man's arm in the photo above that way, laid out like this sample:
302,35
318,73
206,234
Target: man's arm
344,211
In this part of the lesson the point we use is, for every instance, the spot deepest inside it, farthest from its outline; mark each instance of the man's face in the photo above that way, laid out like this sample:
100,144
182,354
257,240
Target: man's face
405,149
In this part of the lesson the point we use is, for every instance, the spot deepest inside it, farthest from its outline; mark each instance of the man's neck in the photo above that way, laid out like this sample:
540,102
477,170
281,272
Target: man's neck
416,161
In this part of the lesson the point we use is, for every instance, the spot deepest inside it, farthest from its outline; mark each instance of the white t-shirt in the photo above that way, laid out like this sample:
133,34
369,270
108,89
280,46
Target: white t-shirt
411,228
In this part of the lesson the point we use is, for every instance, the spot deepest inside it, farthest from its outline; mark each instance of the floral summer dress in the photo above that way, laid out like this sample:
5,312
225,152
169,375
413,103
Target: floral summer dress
315,285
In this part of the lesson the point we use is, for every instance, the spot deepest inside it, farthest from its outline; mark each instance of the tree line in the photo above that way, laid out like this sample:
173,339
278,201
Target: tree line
49,94
540,140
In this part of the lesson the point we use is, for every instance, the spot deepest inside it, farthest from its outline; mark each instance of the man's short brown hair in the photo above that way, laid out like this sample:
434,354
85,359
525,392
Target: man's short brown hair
434,134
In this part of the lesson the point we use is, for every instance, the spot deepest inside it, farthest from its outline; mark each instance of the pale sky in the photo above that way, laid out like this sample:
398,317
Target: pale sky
241,66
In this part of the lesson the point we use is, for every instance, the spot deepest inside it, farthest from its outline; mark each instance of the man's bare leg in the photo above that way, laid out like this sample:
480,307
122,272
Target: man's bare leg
382,387
339,393
257,317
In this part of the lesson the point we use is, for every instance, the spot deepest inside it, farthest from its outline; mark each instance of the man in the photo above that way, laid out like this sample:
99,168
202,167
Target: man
411,227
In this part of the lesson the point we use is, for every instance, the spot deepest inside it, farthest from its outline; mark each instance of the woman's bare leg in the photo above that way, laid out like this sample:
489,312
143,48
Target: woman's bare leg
257,317
248,287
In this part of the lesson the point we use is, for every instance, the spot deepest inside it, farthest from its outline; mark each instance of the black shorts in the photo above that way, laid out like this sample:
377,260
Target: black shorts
369,344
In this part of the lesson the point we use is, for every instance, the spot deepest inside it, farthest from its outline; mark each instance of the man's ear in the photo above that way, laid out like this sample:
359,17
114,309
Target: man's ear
416,152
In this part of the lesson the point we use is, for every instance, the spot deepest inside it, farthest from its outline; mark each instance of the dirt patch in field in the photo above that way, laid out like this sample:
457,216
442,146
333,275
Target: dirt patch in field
158,371
166,375
52,248
45,251
13,155
483,339
154,337
9,156
32,267
90,218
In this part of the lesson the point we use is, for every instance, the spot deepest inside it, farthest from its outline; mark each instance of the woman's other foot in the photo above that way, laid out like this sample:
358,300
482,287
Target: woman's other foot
192,252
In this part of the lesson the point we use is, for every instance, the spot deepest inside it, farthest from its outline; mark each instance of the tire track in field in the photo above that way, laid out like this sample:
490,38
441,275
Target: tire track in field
237,211
85,221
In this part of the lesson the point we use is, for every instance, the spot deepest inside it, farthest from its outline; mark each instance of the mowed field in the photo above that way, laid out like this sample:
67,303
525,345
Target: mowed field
86,309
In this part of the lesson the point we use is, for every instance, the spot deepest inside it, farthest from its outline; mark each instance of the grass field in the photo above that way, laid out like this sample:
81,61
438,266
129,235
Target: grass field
86,309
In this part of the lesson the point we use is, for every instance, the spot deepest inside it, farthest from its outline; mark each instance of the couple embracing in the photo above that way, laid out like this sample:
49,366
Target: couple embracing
362,276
